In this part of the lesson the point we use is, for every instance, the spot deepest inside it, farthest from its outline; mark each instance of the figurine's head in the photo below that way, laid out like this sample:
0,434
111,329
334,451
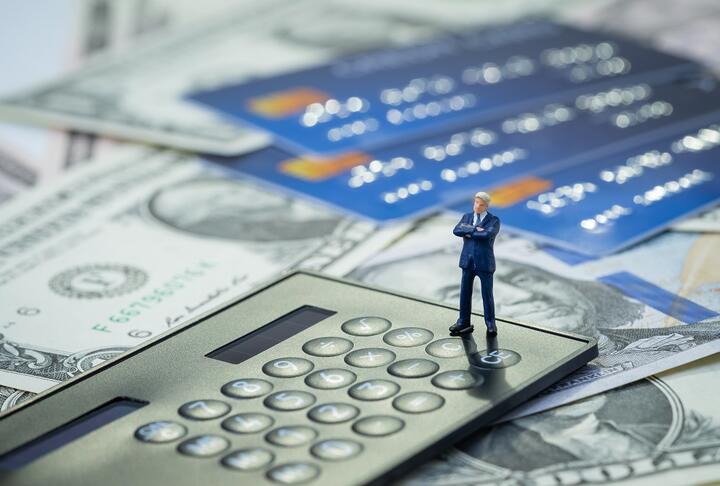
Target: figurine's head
482,201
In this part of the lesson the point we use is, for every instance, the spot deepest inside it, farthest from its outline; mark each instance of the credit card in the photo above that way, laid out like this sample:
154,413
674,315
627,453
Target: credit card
605,205
384,97
420,176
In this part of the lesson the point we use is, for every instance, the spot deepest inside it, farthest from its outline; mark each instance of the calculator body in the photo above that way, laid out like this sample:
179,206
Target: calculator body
307,380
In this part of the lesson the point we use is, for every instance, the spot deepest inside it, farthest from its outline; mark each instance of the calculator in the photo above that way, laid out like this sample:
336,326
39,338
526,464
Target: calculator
307,380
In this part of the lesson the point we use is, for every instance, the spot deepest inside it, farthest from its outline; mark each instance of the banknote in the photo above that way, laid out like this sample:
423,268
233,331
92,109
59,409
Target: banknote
119,250
662,430
708,222
9,397
138,95
647,317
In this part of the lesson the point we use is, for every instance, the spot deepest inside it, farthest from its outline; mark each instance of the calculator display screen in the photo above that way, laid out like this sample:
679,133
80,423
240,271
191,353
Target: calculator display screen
270,334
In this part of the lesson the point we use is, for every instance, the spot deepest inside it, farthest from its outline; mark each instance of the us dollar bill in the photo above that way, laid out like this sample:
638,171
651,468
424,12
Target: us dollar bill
9,397
138,95
676,320
119,250
662,430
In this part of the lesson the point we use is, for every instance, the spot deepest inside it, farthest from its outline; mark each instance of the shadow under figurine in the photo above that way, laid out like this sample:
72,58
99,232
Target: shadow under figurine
478,230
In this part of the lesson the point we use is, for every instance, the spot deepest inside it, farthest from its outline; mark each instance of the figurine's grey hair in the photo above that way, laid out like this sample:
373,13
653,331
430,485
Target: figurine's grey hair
484,196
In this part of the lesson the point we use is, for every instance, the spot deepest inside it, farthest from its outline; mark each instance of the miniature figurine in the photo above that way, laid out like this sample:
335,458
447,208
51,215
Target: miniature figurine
478,230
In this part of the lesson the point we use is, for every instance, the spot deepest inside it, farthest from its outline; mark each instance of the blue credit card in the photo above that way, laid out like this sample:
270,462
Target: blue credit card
418,177
387,96
611,202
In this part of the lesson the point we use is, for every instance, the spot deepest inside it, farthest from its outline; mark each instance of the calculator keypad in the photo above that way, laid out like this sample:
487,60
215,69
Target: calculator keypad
265,455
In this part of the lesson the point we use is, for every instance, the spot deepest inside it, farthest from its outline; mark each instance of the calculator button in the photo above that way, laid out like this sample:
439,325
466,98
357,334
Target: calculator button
407,337
289,400
333,413
378,425
330,379
247,423
413,368
204,446
374,390
446,348
287,367
418,402
159,432
369,357
495,359
456,380
336,449
248,459
327,346
204,409
291,436
293,473
366,326
247,388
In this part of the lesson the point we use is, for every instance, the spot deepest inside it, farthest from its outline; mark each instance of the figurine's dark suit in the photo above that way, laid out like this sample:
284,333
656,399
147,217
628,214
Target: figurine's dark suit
477,258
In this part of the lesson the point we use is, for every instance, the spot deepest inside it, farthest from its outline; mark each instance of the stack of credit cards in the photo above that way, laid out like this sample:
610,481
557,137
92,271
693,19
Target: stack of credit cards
585,140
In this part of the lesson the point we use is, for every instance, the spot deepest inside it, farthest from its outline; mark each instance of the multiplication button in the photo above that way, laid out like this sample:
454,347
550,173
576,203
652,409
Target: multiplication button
291,436
287,367
366,326
248,459
327,346
336,449
413,368
293,473
456,380
204,409
333,413
370,357
495,359
160,432
418,402
330,379
378,425
446,348
286,401
247,423
247,388
372,390
407,337
204,446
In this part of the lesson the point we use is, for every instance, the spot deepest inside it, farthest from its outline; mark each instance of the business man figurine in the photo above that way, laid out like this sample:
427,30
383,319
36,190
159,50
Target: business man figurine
478,230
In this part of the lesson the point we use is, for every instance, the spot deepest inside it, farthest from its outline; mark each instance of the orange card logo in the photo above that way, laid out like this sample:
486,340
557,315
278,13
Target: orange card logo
519,190
316,169
284,103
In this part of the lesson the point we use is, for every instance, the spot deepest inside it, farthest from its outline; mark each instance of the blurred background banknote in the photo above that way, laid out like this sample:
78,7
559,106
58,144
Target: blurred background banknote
133,240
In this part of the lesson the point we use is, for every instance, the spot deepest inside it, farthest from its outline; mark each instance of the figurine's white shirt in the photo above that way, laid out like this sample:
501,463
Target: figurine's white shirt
478,217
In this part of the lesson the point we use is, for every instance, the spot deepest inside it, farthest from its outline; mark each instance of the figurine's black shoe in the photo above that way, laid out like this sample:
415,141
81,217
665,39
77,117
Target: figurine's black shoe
459,329
491,329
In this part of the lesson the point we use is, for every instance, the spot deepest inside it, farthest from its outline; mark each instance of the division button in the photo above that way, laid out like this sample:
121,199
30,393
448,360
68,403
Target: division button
293,473
369,357
333,413
291,436
336,449
446,348
247,388
418,402
456,380
327,346
374,390
289,400
248,459
330,379
247,423
378,425
287,367
406,337
413,368
160,431
366,326
204,446
204,409
495,359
